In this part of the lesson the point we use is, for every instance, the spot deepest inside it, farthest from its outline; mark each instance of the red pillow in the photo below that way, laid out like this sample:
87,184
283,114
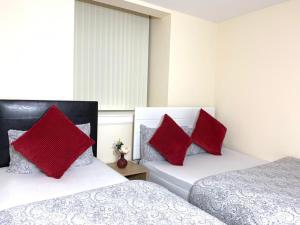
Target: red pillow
53,143
209,133
171,141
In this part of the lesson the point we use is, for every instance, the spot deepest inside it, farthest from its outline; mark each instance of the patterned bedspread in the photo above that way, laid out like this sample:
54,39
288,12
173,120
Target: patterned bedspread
132,202
263,195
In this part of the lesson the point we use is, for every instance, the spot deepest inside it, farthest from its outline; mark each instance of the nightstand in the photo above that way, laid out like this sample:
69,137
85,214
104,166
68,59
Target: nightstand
132,171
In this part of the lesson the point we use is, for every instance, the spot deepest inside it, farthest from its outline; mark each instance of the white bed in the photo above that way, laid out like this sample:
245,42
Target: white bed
19,189
179,179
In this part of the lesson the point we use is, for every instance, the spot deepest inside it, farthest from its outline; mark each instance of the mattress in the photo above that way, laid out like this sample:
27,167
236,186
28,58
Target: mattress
179,179
18,189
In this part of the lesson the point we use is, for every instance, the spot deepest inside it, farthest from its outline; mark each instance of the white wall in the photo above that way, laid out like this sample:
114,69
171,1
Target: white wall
36,49
36,58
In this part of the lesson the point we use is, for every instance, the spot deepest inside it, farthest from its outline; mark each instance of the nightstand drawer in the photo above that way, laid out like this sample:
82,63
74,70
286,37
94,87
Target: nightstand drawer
140,176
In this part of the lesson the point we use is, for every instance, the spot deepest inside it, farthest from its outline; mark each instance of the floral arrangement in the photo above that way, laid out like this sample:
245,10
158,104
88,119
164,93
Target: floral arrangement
120,147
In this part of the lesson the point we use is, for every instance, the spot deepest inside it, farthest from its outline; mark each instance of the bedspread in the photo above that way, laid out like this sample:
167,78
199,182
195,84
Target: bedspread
132,202
263,195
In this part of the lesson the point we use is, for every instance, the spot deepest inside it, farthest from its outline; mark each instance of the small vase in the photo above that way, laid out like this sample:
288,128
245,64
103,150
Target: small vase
122,162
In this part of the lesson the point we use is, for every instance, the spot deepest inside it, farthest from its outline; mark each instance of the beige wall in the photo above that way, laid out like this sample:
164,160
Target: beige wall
257,92
159,57
182,61
192,61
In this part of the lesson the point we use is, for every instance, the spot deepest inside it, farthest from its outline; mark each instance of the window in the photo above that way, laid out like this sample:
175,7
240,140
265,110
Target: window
111,56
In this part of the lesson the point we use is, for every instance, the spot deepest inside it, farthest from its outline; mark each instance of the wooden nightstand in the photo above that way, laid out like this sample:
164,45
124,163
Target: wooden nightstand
132,171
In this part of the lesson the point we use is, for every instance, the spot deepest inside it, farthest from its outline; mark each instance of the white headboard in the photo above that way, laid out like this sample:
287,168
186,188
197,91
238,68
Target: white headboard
151,117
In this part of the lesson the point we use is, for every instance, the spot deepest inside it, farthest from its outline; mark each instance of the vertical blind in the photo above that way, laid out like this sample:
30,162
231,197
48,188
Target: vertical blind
111,57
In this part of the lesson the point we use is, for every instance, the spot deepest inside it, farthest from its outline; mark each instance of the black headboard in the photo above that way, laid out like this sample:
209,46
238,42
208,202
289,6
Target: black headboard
22,114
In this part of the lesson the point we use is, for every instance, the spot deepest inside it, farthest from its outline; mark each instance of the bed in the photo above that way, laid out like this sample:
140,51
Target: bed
235,187
179,179
94,194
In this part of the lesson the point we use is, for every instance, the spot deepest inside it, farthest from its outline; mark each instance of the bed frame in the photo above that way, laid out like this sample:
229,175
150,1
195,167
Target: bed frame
22,114
151,117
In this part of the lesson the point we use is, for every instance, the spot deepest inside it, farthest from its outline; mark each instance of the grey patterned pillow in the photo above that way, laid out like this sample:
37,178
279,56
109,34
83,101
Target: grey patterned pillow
148,153
20,165
85,158
193,149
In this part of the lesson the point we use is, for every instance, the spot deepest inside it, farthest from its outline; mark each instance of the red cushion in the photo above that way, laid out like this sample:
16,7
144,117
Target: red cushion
209,133
171,141
53,143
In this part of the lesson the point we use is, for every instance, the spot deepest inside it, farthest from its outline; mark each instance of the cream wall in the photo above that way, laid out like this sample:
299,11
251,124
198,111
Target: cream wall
182,61
36,42
108,134
192,61
159,61
257,92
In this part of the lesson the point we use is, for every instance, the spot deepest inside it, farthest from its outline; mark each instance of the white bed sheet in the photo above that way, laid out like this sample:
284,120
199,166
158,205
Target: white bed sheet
18,189
179,179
